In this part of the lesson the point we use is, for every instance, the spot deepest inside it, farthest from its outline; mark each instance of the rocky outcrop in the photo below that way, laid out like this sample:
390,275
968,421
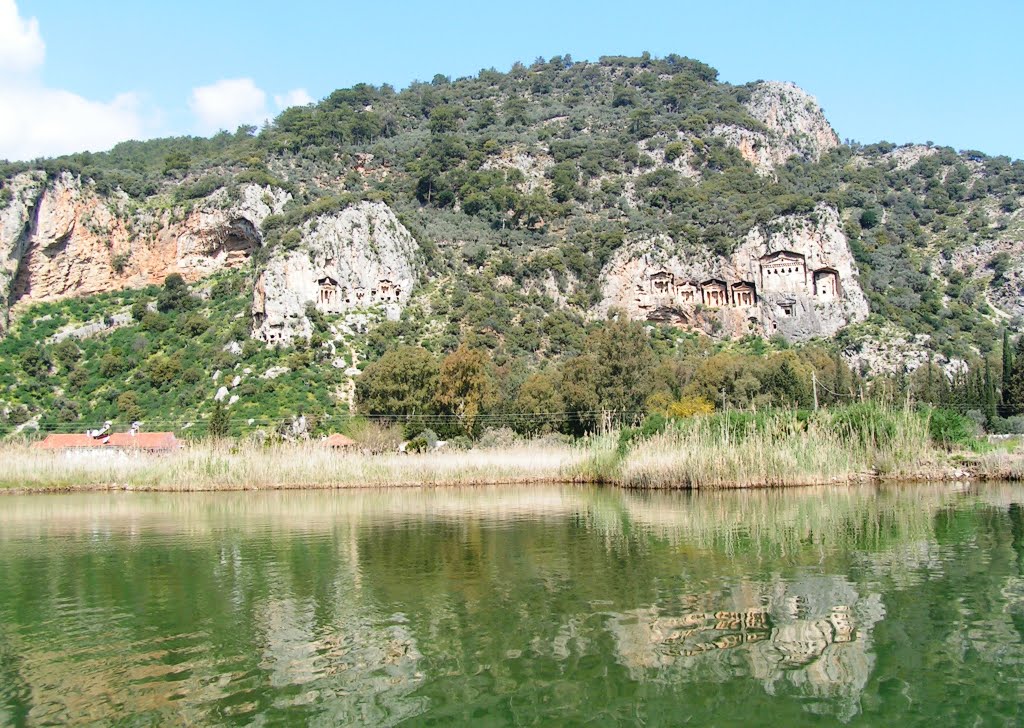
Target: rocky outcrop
999,264
794,124
891,350
63,239
16,218
795,276
361,258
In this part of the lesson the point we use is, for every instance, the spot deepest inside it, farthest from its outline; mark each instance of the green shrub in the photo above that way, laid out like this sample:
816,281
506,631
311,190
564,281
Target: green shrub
948,427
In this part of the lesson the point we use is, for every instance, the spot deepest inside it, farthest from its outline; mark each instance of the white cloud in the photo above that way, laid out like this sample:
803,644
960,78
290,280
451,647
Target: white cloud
46,122
39,121
21,47
228,103
295,97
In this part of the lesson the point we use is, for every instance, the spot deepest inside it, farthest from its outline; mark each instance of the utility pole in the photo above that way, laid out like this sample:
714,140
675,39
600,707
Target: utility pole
814,384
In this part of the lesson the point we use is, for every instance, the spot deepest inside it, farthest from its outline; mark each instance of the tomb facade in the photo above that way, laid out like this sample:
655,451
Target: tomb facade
826,284
714,293
329,295
784,272
744,294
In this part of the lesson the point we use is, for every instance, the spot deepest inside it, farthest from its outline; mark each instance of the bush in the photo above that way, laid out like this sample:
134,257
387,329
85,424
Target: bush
417,444
948,427
498,437
1008,425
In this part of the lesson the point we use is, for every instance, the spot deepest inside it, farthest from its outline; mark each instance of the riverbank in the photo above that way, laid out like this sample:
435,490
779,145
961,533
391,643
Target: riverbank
737,450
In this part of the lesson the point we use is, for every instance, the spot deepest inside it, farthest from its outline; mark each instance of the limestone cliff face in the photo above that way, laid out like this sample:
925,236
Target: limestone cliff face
63,239
795,277
358,259
15,229
795,125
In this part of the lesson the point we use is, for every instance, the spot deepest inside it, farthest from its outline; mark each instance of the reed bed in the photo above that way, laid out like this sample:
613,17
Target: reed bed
777,449
730,450
1000,465
223,467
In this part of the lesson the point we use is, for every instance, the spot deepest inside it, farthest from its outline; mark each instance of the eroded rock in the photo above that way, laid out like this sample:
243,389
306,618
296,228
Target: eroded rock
63,239
357,259
795,277
795,126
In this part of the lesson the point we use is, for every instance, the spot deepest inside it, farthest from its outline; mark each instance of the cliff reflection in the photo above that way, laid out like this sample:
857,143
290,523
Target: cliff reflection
374,607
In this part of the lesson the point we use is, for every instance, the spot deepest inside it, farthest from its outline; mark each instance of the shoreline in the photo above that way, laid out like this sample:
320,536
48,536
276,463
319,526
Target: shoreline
951,475
709,453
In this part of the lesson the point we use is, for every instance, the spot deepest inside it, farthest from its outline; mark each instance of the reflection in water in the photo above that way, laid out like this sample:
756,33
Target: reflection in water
814,633
520,605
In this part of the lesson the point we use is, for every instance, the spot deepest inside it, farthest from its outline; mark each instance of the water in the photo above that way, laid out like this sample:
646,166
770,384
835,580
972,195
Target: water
514,606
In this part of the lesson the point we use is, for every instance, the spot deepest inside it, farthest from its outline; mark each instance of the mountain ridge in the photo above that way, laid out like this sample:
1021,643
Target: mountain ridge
524,194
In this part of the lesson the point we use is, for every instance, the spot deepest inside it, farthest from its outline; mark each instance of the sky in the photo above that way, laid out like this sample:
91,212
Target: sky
84,75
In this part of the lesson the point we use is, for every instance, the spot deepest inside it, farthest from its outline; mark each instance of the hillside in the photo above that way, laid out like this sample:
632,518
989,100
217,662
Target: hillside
512,212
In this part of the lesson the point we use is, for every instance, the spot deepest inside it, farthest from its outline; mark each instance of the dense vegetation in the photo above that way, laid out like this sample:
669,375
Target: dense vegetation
511,181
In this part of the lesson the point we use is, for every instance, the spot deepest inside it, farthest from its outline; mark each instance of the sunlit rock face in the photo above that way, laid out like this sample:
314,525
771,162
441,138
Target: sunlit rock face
357,259
794,125
795,276
15,231
61,238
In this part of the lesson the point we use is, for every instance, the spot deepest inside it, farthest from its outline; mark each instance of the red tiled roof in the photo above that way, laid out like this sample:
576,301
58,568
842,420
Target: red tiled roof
146,440
125,440
339,440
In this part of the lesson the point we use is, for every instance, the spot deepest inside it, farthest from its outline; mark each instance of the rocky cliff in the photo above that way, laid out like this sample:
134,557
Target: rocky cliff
794,124
795,277
64,239
359,259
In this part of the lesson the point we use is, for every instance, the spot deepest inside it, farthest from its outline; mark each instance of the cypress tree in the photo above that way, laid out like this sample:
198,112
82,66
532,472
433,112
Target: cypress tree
1007,366
1013,400
218,421
990,395
930,396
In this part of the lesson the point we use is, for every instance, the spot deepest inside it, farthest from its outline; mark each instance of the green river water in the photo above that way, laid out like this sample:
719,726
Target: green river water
514,606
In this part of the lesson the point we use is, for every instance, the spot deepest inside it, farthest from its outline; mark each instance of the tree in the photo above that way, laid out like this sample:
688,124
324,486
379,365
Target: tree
401,383
515,111
624,362
465,387
175,296
445,119
1014,399
564,177
67,353
1007,365
579,393
539,405
35,362
128,406
219,423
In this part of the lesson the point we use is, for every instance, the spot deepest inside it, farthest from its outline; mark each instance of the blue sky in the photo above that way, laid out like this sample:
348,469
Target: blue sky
947,72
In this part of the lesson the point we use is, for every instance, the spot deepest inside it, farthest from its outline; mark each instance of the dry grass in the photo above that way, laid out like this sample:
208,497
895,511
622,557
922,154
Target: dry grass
222,467
706,452
1000,465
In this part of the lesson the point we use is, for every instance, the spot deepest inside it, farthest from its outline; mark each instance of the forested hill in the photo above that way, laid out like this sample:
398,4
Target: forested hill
506,210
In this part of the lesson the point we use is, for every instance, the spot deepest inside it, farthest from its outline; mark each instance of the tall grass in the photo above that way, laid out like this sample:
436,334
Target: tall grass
223,467
727,450
773,449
